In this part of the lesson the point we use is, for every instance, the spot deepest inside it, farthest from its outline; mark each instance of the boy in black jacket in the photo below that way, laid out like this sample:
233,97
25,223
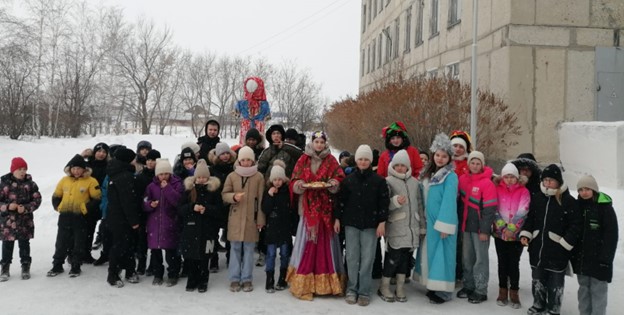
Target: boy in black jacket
363,210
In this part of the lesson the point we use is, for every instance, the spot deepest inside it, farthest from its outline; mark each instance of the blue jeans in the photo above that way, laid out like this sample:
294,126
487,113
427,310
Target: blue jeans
272,252
592,295
241,261
360,249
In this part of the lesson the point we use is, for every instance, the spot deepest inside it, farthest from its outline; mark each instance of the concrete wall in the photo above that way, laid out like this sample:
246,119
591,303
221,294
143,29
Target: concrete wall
595,148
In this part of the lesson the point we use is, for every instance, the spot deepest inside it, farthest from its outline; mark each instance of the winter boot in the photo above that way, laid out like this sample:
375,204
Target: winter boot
132,276
502,299
260,261
75,271
400,293
114,280
384,290
26,271
4,275
281,282
141,266
270,282
56,270
171,281
515,299
102,260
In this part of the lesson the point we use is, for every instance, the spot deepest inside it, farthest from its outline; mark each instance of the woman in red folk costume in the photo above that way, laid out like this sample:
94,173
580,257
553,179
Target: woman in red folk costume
316,266
396,139
254,109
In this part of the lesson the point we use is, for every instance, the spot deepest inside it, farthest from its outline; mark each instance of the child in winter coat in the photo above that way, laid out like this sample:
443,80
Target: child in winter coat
75,195
513,207
363,211
243,190
551,231
19,198
405,226
479,201
592,257
160,202
277,211
200,210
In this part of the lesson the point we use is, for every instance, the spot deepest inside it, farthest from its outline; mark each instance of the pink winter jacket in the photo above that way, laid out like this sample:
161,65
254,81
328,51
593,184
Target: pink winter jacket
478,197
513,207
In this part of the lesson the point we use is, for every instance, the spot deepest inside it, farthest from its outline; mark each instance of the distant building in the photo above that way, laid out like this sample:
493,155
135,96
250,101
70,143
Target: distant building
552,61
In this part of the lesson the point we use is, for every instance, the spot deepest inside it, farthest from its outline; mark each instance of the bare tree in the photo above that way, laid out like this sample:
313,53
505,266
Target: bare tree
199,74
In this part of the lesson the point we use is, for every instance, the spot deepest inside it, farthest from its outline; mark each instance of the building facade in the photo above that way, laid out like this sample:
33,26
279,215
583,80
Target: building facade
552,61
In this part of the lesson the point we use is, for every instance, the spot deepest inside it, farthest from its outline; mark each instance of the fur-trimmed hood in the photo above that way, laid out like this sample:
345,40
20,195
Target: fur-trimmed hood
88,171
213,183
214,159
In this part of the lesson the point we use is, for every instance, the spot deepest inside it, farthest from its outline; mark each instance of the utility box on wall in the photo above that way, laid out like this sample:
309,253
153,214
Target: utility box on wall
609,84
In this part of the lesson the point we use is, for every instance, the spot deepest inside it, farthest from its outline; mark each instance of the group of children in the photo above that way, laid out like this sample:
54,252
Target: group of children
440,209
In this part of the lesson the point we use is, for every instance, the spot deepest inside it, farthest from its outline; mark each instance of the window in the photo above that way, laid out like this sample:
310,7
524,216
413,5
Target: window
432,73
433,22
408,29
418,40
368,13
379,50
374,8
368,60
374,51
363,18
397,33
362,60
452,70
454,13
386,32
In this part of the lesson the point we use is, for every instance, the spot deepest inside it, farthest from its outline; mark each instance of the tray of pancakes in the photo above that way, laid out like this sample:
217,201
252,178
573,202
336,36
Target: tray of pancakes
316,185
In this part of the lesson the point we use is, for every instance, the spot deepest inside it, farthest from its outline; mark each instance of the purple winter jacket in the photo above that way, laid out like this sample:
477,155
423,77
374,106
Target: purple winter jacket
163,230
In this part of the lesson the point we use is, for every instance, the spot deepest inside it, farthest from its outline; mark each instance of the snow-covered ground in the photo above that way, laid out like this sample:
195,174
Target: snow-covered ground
90,294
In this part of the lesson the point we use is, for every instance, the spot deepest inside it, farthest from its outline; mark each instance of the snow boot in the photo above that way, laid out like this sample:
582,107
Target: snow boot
270,282
56,270
26,271
4,275
400,292
502,299
515,299
75,271
281,281
384,290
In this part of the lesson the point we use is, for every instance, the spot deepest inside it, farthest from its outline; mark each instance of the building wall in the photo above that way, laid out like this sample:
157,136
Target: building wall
538,55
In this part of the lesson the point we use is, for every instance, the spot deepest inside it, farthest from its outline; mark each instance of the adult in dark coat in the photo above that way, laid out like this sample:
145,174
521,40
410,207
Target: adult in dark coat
527,166
210,139
122,217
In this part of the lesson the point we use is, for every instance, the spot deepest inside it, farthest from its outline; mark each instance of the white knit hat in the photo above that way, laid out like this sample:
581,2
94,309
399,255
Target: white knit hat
277,171
163,166
587,181
364,152
476,155
194,146
246,153
510,169
460,141
201,170
401,157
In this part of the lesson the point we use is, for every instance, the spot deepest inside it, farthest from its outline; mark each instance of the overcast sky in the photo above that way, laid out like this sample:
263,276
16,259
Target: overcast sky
320,35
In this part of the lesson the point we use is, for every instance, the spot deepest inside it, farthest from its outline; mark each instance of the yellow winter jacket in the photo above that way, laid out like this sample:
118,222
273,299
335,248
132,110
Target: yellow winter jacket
75,193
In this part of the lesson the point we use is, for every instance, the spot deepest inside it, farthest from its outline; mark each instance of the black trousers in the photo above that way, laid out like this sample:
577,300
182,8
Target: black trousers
547,289
91,223
377,263
198,273
173,263
71,235
122,251
141,247
508,253
24,252
397,261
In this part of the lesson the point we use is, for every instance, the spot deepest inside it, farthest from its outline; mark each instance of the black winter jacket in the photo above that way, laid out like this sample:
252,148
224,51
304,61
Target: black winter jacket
552,228
594,253
123,201
205,145
363,200
277,211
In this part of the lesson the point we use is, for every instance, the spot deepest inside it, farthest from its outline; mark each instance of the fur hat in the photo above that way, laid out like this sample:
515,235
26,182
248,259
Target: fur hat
587,181
291,134
77,161
364,152
153,155
101,146
401,157
442,142
510,169
201,170
319,134
278,171
476,155
553,171
17,163
187,153
194,146
278,128
144,144
124,155
163,167
253,133
246,153
221,148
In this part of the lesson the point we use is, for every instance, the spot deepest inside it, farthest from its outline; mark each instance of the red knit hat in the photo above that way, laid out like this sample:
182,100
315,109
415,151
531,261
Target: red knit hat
18,163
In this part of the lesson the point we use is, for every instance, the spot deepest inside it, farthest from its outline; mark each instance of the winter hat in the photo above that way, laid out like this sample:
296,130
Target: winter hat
144,144
187,153
460,141
587,181
401,157
528,156
17,163
395,129
319,134
463,136
277,171
221,148
124,155
78,161
278,128
194,146
163,167
114,147
343,154
153,155
475,155
364,152
101,146
510,169
553,171
442,142
291,134
201,170
253,133
246,153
